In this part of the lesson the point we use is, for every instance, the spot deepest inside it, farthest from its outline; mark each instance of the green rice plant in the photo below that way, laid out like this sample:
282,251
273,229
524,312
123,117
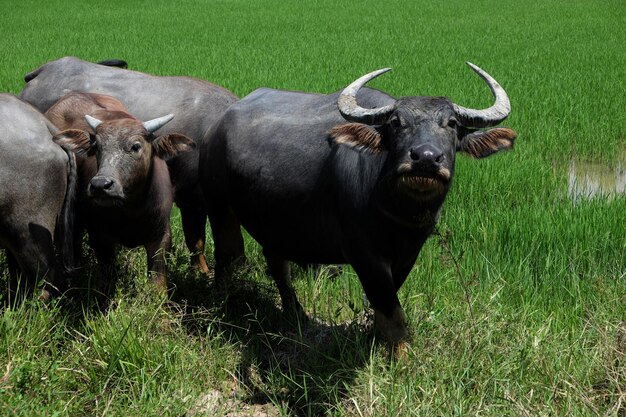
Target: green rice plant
516,305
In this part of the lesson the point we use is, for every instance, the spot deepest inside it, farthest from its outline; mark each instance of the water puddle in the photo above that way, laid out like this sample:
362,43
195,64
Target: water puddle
587,180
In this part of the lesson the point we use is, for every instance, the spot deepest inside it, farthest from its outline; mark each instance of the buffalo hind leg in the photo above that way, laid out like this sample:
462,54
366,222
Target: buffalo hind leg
194,226
228,242
279,270
13,266
36,259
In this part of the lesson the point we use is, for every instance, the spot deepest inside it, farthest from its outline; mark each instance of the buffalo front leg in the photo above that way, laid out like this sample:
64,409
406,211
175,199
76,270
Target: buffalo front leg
103,285
156,252
389,318
279,270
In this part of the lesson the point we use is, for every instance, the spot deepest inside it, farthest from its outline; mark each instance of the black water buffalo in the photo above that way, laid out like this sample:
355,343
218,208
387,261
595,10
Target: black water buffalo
38,180
197,105
125,194
322,179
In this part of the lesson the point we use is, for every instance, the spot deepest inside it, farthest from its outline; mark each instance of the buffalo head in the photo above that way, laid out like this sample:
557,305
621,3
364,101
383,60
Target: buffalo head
423,134
124,149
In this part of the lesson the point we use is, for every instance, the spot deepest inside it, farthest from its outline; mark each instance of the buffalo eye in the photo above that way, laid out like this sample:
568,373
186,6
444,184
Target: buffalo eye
396,122
135,147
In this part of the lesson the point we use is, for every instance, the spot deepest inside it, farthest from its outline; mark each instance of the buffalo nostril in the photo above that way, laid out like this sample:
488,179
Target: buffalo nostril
101,183
427,154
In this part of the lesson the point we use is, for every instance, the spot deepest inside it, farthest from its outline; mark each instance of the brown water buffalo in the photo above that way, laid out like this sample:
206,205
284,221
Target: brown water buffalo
38,181
197,105
354,177
125,193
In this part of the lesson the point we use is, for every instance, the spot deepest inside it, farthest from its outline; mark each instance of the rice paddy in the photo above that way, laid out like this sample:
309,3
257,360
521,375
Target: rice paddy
516,306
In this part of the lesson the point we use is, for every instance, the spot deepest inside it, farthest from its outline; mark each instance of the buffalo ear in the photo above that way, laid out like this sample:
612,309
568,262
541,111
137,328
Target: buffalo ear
168,146
357,136
75,140
481,144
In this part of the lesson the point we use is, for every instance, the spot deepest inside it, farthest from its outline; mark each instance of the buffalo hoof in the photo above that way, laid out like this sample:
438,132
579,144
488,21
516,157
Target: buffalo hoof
402,351
392,328
199,264
294,311
160,284
224,271
45,296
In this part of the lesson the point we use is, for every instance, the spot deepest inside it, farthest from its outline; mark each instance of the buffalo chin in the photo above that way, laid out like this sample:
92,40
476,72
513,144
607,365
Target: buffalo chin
105,201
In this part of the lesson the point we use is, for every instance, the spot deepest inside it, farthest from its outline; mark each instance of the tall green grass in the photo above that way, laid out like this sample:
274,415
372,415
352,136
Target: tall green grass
531,323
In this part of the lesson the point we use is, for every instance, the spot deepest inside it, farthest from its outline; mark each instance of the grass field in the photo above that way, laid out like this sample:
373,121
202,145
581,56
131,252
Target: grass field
532,323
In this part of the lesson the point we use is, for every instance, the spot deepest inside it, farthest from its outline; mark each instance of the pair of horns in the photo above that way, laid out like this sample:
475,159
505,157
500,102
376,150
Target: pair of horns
491,116
150,125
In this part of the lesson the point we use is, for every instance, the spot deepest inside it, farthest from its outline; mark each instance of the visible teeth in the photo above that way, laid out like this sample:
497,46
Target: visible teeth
420,182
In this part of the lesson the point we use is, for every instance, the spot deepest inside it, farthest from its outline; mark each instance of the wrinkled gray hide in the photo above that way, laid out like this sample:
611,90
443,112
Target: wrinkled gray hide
33,178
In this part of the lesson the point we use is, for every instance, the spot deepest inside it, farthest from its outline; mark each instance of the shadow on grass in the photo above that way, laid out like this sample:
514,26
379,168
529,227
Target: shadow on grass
304,367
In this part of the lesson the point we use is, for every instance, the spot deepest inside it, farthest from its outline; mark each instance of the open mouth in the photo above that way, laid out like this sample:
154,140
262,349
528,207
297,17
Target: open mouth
422,183
428,183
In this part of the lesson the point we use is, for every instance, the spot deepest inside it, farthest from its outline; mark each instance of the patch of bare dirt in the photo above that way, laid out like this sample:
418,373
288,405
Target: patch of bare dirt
214,403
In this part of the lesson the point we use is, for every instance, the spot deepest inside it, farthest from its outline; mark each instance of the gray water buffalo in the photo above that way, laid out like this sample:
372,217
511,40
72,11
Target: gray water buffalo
36,197
354,177
197,105
125,194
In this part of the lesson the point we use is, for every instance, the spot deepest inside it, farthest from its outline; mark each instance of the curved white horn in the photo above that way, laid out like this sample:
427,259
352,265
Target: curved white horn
352,112
490,116
156,124
92,122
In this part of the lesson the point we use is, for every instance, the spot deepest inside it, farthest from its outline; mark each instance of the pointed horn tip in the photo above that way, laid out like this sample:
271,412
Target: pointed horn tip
168,118
159,122
474,67
378,72
92,121
358,83
165,119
